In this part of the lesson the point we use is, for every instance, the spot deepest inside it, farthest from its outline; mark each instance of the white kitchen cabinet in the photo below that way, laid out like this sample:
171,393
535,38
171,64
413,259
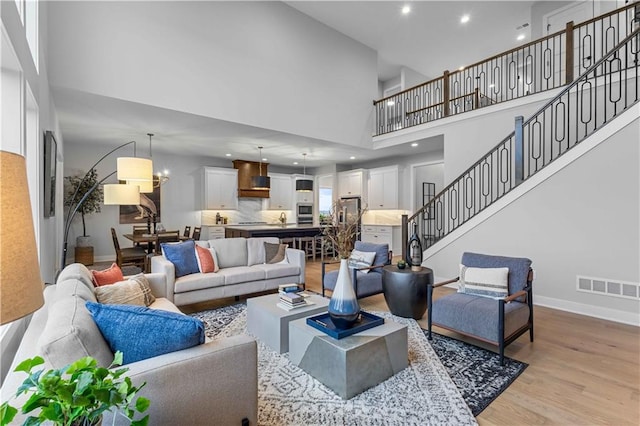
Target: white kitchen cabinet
220,189
214,232
281,193
351,183
383,234
383,188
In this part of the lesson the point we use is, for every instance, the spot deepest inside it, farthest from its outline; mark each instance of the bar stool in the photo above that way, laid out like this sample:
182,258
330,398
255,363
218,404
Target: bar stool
312,246
290,241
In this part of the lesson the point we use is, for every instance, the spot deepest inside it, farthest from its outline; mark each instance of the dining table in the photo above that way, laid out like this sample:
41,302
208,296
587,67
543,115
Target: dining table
148,239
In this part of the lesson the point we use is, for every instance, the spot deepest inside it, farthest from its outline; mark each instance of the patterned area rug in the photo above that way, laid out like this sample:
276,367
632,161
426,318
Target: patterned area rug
422,394
476,371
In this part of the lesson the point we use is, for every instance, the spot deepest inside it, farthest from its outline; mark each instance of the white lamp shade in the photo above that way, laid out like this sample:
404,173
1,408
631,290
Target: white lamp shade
146,186
135,169
20,283
118,194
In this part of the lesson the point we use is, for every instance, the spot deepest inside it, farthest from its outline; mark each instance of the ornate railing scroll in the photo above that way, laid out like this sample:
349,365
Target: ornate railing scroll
604,91
547,63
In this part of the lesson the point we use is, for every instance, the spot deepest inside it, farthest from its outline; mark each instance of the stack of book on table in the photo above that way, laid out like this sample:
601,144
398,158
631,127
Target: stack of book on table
290,299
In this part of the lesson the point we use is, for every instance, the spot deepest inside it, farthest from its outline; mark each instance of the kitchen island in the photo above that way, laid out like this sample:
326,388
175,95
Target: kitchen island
275,230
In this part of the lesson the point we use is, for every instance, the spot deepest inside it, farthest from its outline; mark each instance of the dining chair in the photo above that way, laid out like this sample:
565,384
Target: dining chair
130,255
139,230
165,237
196,233
187,232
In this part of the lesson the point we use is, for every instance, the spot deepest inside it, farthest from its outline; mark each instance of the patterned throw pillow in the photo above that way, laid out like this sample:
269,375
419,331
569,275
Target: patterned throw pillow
111,275
205,260
134,291
275,253
142,333
183,257
489,282
361,259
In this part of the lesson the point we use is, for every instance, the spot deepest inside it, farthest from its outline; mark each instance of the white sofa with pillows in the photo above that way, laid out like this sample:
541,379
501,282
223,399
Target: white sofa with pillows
188,380
240,266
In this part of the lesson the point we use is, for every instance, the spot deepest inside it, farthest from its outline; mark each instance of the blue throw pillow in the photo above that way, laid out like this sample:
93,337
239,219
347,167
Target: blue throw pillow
141,333
183,256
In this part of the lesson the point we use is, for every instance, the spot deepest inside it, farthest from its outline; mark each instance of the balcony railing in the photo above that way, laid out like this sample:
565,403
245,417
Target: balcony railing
603,91
547,63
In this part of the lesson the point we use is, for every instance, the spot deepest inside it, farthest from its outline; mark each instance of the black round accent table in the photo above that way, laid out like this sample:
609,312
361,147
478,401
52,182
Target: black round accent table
406,291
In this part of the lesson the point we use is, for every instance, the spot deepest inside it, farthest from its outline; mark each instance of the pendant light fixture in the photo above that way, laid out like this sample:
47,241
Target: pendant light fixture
304,185
146,187
260,182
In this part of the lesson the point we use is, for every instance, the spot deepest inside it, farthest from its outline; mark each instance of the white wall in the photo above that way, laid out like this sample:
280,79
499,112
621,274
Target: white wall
259,63
581,221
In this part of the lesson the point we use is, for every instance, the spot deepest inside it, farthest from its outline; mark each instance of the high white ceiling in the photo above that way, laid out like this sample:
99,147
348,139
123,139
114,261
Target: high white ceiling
428,40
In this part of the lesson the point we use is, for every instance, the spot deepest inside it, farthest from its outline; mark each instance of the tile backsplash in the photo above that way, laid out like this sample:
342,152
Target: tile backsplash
249,210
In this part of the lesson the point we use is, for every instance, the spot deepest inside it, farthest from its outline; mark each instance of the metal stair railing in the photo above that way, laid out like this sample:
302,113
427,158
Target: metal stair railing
604,91
544,64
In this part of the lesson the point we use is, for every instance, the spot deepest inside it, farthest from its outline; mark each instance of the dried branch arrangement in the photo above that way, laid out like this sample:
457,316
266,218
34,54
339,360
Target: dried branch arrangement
342,234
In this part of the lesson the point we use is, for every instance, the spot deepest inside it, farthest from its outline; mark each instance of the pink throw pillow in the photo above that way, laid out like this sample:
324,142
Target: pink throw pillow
205,260
111,275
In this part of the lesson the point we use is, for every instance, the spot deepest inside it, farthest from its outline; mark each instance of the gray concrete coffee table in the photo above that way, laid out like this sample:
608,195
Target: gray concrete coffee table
352,364
270,323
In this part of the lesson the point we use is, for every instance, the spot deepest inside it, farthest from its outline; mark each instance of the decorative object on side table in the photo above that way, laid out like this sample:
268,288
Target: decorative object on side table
414,250
401,264
343,306
77,394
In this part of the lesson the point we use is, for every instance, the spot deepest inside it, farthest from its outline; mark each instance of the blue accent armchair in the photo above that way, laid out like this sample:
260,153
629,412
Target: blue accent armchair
364,284
498,321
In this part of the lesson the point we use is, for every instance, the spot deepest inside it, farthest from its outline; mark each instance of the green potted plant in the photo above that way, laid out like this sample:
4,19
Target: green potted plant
76,186
77,394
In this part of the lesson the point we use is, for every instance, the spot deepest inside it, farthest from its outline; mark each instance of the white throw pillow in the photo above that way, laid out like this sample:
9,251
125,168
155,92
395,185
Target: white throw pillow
489,282
361,259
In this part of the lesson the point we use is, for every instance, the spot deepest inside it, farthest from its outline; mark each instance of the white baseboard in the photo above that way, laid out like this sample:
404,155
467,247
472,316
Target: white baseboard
631,318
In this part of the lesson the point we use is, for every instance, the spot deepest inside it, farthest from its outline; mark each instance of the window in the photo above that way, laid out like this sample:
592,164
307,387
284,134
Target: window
31,27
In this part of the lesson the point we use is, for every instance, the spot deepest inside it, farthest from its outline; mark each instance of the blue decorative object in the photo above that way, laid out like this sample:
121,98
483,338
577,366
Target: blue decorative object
141,333
343,306
324,323
183,256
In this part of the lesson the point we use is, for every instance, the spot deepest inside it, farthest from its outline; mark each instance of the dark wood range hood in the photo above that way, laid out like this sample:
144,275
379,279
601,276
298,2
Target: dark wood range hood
246,170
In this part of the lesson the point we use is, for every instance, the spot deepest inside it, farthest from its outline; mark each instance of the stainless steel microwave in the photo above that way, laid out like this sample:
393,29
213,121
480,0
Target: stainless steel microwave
305,209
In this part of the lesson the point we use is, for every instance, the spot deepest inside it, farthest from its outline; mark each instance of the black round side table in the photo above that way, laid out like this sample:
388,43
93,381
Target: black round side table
406,291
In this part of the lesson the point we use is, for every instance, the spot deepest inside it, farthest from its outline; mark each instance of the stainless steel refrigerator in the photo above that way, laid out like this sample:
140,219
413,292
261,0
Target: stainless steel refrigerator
349,210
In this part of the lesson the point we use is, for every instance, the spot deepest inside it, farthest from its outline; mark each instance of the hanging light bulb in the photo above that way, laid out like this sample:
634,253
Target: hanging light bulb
260,182
304,185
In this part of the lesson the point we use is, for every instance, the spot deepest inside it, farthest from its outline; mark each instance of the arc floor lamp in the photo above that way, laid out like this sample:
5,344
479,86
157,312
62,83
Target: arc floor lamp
135,171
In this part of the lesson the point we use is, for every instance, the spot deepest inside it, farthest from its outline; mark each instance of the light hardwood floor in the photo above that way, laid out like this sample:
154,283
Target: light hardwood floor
582,370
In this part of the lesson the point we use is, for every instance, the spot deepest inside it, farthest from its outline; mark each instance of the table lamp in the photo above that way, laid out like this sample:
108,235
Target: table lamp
20,283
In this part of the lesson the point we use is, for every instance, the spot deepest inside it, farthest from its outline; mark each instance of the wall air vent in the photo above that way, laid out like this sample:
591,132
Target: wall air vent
608,287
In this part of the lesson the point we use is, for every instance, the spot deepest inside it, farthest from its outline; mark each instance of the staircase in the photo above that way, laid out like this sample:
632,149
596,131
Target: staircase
603,92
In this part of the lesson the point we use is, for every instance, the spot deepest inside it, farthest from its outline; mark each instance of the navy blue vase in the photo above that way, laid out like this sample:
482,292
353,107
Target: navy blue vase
343,306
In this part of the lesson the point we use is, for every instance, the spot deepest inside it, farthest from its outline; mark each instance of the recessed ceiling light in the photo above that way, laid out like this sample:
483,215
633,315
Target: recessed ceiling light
414,144
227,155
390,103
295,163
492,85
465,19
406,9
520,37
352,158
461,68
264,159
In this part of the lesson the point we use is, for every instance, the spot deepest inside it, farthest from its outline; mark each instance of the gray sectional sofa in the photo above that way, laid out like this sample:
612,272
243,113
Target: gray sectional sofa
212,383
242,270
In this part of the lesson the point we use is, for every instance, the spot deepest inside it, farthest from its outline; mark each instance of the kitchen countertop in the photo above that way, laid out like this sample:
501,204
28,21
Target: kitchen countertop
269,226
